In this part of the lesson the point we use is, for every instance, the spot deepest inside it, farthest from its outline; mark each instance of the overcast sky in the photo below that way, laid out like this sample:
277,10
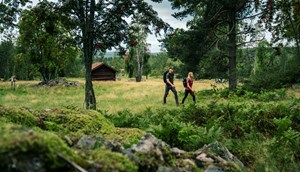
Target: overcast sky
165,12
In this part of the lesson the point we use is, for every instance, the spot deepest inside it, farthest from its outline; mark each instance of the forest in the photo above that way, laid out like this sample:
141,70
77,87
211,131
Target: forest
245,56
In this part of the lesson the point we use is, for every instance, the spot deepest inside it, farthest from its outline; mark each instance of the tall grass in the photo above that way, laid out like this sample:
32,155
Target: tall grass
261,129
111,96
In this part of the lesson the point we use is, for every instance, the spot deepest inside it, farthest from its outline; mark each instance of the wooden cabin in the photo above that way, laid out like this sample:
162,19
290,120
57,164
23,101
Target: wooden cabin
103,72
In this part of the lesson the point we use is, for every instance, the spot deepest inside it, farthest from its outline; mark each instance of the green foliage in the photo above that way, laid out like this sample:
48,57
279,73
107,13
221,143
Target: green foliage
285,22
259,128
110,161
272,70
116,62
214,64
9,9
7,59
158,63
185,46
193,137
245,62
45,41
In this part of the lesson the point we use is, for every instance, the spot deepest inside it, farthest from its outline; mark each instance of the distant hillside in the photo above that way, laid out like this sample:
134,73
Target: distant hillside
112,54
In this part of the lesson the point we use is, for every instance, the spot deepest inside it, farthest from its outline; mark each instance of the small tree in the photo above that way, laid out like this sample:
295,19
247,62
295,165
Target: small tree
138,45
45,41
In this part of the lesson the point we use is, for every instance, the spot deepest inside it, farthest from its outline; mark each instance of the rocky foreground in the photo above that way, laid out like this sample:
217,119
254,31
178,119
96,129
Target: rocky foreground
76,140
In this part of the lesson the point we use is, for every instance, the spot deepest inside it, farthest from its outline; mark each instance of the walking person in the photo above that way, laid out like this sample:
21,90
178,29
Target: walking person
169,80
189,88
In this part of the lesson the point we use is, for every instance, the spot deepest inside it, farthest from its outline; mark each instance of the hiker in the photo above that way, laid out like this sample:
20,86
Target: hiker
169,80
189,88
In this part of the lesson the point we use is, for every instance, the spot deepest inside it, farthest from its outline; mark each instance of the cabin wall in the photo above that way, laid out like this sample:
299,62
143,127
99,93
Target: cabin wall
103,73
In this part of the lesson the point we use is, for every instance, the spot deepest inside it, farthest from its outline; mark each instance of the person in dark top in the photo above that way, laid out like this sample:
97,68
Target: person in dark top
189,88
170,85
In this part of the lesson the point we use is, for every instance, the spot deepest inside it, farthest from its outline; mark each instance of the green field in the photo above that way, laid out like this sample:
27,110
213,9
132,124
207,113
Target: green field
260,129
111,96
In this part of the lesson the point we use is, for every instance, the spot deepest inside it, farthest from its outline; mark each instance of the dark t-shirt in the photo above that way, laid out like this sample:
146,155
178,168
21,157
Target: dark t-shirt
170,76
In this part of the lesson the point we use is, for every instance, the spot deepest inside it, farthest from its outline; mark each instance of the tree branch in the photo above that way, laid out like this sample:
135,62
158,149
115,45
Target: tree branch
241,5
216,14
251,41
76,166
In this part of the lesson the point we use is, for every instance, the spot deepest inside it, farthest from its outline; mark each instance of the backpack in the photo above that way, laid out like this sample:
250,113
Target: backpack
165,76
184,82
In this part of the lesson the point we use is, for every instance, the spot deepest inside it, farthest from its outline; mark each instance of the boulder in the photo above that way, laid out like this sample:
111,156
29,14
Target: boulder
58,81
217,154
152,154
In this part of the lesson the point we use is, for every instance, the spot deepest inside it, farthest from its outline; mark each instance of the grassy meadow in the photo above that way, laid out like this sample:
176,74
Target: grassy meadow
261,129
111,96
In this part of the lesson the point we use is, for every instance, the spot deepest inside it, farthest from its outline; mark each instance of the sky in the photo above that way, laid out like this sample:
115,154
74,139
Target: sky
165,12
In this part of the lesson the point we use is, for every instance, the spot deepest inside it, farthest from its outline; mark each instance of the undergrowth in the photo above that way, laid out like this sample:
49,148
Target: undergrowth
261,129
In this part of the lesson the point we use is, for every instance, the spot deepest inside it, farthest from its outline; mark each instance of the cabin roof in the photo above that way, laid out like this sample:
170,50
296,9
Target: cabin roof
96,65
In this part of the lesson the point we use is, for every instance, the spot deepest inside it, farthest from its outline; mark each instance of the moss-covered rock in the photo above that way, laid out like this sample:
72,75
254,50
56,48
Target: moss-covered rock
83,121
62,120
21,116
23,149
107,161
125,136
150,153
71,123
65,139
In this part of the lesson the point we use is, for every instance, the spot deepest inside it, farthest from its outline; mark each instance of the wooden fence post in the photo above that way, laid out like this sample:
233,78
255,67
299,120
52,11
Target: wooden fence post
13,82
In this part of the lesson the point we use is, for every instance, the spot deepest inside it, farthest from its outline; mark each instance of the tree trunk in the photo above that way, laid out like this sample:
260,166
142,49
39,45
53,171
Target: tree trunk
297,36
90,99
232,52
139,66
87,33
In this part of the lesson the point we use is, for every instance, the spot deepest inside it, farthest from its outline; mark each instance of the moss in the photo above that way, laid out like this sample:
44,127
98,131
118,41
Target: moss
24,149
87,122
107,161
125,136
59,120
19,116
51,126
73,123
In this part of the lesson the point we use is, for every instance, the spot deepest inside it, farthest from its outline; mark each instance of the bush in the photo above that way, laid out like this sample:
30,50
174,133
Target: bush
252,125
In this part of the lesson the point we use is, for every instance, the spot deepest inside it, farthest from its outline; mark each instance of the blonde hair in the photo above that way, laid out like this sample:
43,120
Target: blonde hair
191,75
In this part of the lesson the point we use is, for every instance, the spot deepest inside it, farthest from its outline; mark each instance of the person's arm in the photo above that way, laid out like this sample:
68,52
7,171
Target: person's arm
169,82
